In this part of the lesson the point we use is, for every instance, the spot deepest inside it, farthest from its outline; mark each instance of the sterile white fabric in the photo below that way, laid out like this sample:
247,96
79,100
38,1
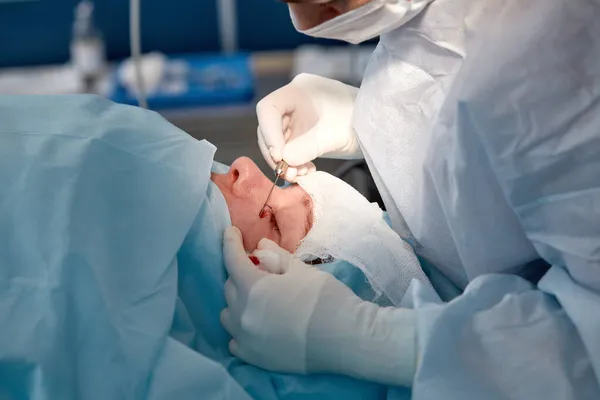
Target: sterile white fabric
366,22
292,317
439,186
479,121
308,118
346,226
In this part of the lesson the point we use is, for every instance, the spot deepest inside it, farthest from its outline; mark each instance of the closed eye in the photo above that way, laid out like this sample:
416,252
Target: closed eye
274,223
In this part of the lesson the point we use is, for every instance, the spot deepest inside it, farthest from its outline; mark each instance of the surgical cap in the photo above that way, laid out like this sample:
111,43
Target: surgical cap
346,226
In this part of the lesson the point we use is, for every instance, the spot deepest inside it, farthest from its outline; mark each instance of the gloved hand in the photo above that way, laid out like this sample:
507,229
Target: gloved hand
291,317
308,118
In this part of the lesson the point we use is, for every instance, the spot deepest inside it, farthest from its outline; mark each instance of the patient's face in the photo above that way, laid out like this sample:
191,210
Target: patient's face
245,188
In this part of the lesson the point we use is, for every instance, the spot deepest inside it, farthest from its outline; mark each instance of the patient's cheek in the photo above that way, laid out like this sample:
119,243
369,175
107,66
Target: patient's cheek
253,229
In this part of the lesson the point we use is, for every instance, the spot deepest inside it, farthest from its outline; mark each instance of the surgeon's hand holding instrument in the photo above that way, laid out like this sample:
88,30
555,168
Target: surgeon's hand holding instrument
314,116
291,317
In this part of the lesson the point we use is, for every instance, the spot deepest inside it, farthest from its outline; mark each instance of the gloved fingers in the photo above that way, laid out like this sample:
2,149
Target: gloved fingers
267,244
291,174
238,350
264,150
237,263
227,322
306,169
273,258
302,149
230,293
287,131
271,261
234,349
270,112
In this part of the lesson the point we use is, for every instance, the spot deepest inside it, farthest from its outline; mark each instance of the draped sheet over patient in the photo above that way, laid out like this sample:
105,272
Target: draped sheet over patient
111,277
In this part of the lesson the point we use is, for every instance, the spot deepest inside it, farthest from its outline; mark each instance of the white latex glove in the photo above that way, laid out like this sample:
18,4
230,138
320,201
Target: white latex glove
308,118
292,317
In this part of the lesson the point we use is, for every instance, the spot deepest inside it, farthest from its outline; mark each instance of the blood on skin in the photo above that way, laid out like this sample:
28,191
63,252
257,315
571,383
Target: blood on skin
254,259
263,211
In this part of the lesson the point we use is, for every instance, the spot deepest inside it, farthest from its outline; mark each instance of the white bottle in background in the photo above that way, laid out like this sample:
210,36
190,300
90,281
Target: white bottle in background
87,48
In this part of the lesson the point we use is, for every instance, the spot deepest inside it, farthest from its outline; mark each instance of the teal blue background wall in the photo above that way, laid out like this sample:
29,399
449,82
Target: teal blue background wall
38,32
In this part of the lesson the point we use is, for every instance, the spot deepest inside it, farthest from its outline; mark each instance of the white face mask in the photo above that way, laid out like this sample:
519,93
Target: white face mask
366,22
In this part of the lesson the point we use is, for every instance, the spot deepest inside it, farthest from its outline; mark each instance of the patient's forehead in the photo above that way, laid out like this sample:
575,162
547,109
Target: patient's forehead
333,201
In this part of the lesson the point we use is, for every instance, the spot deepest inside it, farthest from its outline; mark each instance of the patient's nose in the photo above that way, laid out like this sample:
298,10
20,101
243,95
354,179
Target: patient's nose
246,175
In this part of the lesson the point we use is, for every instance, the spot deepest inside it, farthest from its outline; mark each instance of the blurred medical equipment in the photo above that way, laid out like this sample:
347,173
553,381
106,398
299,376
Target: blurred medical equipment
135,43
60,79
227,15
185,81
152,68
88,57
226,10
157,81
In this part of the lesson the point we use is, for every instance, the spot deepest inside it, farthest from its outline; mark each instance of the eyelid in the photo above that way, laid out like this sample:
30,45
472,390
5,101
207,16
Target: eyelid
274,223
272,219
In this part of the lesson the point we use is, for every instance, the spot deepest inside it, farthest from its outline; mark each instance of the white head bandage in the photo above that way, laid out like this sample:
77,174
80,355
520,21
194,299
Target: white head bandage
347,227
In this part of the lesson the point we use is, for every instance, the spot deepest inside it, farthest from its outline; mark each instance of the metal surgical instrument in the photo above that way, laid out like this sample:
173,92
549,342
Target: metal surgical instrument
280,171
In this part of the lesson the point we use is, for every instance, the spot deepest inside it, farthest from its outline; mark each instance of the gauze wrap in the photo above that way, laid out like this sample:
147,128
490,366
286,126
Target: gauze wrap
347,227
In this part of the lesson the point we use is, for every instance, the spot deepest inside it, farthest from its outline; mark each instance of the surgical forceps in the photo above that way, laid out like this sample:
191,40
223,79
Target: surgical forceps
280,171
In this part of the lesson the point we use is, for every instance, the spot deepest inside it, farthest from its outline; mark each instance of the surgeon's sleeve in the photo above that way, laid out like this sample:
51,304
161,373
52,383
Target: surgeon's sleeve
505,339
531,96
